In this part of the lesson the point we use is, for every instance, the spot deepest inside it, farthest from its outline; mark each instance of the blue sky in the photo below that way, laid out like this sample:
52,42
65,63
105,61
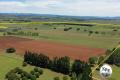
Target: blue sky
62,7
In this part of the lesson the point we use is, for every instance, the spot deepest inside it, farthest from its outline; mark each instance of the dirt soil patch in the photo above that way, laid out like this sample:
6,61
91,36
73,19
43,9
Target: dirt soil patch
51,49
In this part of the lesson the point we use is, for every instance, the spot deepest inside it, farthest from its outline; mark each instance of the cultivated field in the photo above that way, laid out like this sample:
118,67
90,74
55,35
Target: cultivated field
52,49
76,40
98,36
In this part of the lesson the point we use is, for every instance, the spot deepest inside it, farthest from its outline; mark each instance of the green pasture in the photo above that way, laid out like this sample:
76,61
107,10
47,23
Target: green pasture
3,27
106,38
10,61
1,33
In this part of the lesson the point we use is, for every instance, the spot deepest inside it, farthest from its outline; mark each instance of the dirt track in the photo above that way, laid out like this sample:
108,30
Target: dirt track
51,49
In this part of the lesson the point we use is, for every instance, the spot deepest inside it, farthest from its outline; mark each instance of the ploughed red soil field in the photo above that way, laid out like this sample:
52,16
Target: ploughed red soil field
51,49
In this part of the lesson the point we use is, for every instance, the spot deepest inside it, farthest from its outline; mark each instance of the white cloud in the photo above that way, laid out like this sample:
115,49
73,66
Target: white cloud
94,8
64,7
14,3
11,6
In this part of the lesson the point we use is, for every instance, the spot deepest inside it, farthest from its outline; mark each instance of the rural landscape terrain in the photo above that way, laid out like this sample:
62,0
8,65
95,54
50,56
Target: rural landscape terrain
53,47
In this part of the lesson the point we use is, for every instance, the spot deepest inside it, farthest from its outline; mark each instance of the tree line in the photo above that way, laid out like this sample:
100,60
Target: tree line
78,70
77,24
61,64
21,33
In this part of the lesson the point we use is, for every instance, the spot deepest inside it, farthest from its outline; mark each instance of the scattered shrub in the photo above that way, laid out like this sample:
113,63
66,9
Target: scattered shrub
85,30
24,64
37,74
65,77
66,29
115,30
19,71
36,69
96,32
25,74
32,72
4,34
70,28
40,71
33,77
24,78
56,78
19,74
93,60
36,28
54,28
90,32
22,75
28,75
13,76
78,29
7,75
10,50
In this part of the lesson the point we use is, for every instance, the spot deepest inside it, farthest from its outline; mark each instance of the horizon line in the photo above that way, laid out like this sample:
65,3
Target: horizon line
59,14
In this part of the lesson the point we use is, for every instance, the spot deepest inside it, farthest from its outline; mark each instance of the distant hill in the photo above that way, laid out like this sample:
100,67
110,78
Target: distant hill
24,17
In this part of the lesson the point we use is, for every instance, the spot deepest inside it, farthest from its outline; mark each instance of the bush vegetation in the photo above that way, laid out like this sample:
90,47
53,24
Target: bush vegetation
93,61
24,64
19,74
10,50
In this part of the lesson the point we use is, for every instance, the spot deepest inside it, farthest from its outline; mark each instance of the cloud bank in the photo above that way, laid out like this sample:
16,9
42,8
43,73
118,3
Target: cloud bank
62,7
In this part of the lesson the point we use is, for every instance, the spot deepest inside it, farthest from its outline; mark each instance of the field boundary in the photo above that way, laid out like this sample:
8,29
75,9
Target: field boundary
94,78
